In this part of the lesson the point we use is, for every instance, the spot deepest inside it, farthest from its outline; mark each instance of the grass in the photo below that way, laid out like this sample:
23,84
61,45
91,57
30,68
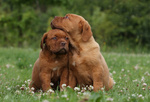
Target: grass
131,73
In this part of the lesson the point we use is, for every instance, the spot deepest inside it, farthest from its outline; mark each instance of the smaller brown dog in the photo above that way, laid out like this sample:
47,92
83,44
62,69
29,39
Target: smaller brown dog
51,66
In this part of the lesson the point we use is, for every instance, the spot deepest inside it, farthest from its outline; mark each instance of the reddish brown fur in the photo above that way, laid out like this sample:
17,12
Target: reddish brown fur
51,66
87,65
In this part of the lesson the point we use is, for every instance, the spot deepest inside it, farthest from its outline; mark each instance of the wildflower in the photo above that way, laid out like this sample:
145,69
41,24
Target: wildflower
52,84
133,95
68,86
77,89
102,89
136,67
7,65
143,88
114,72
17,92
140,96
30,65
25,82
142,79
23,85
144,84
90,88
32,88
22,88
147,74
79,93
32,92
63,86
65,96
8,89
122,70
134,80
50,91
109,99
121,91
45,101
88,94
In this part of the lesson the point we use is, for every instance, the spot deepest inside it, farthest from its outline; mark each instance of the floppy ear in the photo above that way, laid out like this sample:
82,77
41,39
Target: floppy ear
43,40
86,33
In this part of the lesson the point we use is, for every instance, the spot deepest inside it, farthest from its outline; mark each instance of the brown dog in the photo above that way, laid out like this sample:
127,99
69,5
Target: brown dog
51,66
87,65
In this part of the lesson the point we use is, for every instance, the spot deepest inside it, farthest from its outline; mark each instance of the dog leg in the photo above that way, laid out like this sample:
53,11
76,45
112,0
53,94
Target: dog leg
64,78
72,80
45,79
98,79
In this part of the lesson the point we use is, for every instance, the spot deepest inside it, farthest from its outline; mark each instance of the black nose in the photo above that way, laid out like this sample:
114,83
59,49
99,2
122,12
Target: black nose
62,43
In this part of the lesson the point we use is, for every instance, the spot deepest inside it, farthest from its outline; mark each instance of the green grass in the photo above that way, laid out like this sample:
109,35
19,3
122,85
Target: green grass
130,72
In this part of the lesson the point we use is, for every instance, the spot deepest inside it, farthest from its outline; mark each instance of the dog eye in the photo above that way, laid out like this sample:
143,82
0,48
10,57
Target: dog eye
66,38
54,38
66,17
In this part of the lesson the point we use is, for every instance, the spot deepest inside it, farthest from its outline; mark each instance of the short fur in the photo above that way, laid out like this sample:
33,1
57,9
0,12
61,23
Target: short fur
51,66
87,65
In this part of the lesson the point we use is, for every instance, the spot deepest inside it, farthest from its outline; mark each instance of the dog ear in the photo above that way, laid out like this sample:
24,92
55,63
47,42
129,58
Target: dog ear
86,32
43,40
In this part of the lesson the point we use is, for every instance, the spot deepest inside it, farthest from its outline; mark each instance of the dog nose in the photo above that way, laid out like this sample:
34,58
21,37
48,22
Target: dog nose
62,43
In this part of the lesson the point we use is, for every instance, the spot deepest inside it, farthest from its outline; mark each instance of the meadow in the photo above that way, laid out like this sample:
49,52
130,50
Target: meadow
130,71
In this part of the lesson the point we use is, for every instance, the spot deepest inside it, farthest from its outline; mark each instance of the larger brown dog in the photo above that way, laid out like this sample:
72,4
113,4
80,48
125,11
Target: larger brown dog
86,62
51,66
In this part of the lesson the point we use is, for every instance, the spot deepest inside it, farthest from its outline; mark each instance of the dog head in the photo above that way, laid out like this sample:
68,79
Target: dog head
76,26
56,41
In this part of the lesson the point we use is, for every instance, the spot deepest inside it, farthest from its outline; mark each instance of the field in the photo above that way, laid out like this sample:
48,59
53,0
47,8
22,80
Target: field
131,73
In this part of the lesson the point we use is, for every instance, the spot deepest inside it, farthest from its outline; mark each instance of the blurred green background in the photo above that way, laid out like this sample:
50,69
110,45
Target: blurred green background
116,24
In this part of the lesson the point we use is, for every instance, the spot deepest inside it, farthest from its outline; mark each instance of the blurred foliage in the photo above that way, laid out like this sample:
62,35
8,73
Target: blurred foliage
113,22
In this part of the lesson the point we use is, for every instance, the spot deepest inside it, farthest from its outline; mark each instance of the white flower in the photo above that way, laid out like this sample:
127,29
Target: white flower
52,84
68,86
114,72
79,93
133,95
122,70
87,94
64,95
134,80
77,89
136,67
121,91
90,87
8,89
63,86
146,73
140,95
32,88
32,92
50,91
23,85
109,99
25,82
7,65
45,101
144,84
102,89
30,65
142,79
18,92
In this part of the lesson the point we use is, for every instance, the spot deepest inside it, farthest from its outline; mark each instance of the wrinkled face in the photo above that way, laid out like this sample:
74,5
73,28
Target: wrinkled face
56,41
76,26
